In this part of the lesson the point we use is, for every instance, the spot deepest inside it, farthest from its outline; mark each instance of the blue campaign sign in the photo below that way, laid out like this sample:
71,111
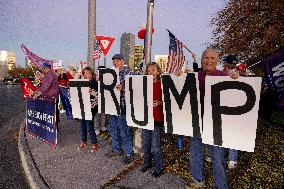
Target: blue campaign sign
41,120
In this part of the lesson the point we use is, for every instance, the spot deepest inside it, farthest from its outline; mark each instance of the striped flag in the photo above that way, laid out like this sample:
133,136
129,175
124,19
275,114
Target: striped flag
176,57
97,50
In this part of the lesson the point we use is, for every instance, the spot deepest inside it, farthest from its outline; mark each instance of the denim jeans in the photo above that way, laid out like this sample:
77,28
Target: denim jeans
88,126
153,138
121,135
99,121
196,163
233,154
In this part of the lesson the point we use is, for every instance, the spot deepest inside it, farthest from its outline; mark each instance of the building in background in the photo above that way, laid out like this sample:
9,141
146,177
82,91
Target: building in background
127,49
7,62
138,55
162,61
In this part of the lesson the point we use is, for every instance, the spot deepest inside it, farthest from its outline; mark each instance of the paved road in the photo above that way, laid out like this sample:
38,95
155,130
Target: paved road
12,113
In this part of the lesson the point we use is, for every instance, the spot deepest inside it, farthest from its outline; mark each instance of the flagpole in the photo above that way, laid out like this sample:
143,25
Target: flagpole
149,26
32,69
187,49
183,45
91,32
253,64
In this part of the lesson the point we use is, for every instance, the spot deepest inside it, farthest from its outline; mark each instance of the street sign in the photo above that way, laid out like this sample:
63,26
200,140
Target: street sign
105,43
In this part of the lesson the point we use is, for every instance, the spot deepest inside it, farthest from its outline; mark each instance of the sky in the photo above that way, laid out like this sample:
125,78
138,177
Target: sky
57,29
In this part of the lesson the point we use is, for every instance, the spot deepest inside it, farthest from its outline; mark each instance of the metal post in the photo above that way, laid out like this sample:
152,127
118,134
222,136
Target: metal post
91,31
149,26
105,60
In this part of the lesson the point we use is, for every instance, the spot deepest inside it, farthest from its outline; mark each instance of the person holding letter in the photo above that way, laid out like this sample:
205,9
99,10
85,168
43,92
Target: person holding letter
117,125
88,73
153,138
209,60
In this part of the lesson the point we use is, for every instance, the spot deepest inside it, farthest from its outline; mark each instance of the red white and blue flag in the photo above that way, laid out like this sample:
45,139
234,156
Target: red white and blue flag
176,57
97,50
35,59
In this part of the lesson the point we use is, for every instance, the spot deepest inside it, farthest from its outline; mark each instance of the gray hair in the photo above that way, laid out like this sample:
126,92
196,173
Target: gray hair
209,50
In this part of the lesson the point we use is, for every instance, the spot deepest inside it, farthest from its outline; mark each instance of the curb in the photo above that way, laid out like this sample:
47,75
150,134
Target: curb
31,171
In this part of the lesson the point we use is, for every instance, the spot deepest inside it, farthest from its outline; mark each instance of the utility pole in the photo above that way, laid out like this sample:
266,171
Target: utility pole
91,31
149,26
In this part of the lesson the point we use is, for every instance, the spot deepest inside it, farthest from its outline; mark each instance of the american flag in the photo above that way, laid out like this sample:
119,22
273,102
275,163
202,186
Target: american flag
97,50
176,57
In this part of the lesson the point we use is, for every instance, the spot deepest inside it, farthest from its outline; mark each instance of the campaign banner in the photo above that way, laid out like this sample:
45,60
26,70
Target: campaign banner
35,59
231,112
41,120
274,74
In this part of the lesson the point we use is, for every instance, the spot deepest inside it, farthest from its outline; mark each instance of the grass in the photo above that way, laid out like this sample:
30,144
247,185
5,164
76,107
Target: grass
263,168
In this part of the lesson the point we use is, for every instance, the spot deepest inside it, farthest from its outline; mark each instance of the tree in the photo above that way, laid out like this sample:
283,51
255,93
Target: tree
251,29
22,72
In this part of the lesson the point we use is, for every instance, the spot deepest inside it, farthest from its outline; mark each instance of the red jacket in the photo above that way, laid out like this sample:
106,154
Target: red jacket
157,95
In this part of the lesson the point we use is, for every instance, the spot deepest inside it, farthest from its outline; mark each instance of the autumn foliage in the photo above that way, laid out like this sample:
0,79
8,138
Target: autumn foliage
251,29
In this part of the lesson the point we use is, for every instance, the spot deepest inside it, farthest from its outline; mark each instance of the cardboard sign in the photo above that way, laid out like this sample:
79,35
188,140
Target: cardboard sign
80,98
109,96
181,107
139,100
57,64
231,112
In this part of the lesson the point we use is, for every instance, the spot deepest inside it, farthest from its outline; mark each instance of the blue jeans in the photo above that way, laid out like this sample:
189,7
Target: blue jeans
196,163
120,134
153,138
88,125
233,154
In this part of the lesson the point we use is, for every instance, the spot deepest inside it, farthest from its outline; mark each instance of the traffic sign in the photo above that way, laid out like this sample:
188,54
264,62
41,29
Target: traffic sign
105,43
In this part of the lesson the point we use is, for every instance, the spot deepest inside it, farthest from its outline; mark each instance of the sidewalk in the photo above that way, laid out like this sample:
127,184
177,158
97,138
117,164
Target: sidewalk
68,167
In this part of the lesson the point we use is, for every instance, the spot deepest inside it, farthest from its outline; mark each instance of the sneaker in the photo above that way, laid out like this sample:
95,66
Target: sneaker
232,164
97,131
128,159
208,159
113,154
157,174
145,168
94,147
195,185
82,146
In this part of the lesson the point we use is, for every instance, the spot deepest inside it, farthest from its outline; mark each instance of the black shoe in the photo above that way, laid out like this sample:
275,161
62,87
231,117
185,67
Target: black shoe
128,159
157,174
145,168
113,154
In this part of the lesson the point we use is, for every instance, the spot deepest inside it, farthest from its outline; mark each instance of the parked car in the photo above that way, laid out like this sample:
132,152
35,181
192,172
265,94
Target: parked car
11,80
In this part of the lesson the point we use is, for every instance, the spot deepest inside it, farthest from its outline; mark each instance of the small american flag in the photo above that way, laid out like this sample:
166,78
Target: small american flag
176,57
97,50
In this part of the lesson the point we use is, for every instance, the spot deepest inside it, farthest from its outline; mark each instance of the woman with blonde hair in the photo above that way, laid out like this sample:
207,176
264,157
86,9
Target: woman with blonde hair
153,138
